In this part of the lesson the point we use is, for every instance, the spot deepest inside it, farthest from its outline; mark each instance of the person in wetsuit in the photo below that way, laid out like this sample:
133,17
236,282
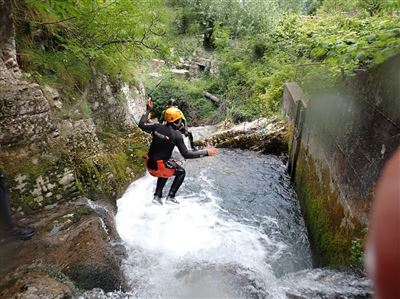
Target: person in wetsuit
165,138
184,130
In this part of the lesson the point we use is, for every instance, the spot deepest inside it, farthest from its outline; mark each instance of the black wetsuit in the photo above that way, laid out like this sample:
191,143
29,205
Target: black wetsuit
165,138
6,222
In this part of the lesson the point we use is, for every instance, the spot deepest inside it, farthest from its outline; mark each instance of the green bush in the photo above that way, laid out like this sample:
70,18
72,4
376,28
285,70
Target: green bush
189,97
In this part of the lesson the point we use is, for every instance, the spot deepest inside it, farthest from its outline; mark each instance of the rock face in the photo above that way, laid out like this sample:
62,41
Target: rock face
72,244
268,136
82,137
25,114
41,158
54,155
51,156
114,102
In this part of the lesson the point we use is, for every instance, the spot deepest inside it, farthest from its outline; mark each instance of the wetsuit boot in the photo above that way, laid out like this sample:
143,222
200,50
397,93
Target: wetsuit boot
157,200
8,230
179,177
171,199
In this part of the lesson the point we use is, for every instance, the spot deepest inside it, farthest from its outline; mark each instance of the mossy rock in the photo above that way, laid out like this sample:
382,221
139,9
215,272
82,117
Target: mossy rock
40,280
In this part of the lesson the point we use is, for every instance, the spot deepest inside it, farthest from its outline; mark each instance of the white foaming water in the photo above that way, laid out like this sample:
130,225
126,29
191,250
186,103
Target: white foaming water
170,238
234,235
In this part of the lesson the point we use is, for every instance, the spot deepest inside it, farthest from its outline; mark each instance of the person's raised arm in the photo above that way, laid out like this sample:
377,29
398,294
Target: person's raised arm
144,123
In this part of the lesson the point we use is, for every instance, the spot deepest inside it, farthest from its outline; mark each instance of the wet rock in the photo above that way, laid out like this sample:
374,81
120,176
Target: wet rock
80,136
37,281
135,99
74,242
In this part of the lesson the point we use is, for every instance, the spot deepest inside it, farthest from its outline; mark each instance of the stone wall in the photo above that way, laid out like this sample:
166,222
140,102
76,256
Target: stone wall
48,160
344,137
49,151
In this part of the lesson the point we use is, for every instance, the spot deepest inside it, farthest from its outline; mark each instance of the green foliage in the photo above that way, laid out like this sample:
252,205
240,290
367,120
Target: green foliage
357,249
311,6
221,37
313,51
357,252
64,41
350,42
108,173
189,97
238,18
351,7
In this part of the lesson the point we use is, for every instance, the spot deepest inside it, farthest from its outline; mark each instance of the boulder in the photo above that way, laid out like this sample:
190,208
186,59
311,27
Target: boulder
38,280
180,73
72,244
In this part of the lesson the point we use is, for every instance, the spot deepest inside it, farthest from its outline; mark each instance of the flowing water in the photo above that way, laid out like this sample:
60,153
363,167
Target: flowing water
238,233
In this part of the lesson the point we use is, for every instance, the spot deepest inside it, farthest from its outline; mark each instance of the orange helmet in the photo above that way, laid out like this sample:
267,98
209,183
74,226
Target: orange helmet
172,114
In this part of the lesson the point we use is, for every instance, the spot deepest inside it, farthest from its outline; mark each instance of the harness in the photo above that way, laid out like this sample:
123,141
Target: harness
162,171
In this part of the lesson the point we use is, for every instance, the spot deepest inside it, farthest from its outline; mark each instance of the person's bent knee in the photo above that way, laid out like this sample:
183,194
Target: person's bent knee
180,171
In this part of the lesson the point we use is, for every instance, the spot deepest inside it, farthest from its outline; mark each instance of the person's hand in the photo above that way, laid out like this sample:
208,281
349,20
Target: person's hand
149,104
212,151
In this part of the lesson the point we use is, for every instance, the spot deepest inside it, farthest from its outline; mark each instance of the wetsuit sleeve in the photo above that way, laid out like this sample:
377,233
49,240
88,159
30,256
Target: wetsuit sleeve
189,154
145,124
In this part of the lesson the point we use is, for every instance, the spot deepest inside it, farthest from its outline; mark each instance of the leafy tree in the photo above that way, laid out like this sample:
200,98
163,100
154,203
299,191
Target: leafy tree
353,7
239,17
373,7
106,35
311,6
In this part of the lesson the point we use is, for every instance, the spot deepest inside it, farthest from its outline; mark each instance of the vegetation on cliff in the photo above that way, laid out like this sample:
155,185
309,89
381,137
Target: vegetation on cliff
63,41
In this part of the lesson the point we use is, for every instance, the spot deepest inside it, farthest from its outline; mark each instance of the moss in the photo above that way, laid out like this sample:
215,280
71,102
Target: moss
109,173
55,273
15,281
106,174
324,214
289,134
31,164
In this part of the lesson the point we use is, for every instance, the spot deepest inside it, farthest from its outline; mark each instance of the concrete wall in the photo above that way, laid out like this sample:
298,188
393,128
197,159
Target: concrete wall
343,139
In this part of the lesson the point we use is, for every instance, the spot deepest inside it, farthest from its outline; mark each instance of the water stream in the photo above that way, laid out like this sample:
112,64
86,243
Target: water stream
238,233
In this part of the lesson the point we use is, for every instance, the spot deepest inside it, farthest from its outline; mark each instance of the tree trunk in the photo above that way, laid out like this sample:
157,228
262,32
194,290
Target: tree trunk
208,43
212,97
